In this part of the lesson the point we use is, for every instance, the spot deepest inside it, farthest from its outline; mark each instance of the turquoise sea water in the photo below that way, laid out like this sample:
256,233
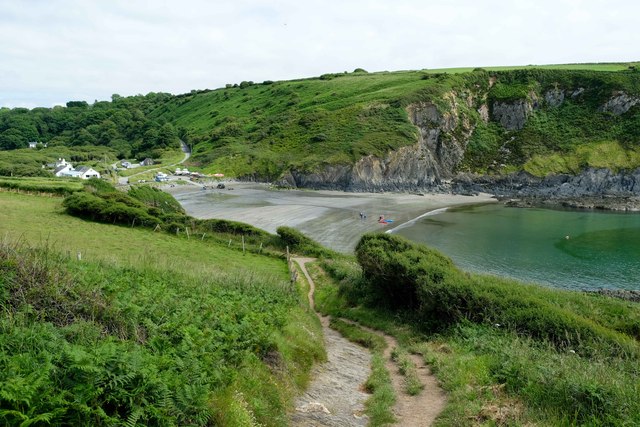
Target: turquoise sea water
561,248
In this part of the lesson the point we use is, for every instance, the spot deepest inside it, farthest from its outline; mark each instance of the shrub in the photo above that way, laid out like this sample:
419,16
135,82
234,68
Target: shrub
298,242
231,227
408,276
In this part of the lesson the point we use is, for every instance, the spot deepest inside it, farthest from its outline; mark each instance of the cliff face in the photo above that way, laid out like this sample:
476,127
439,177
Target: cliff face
427,164
444,131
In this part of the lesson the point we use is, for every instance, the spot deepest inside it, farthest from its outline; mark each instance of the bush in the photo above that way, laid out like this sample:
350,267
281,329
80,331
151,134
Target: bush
152,197
408,276
231,227
298,242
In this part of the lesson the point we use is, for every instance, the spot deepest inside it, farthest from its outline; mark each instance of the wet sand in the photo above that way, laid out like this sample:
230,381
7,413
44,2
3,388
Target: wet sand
332,218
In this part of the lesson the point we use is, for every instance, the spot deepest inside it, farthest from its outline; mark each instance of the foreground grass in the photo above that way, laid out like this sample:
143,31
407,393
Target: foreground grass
146,327
89,343
497,373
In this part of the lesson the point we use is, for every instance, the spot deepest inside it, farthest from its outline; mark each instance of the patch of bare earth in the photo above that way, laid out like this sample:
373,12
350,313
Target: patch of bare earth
335,397
342,378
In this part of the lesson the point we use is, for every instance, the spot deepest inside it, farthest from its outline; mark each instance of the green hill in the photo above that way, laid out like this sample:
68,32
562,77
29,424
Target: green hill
264,130
542,119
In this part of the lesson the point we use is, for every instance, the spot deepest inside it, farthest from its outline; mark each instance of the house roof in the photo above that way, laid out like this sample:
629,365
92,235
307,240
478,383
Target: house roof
60,168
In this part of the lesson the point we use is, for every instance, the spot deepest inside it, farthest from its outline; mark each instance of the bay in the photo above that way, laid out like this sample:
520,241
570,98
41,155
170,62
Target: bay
561,248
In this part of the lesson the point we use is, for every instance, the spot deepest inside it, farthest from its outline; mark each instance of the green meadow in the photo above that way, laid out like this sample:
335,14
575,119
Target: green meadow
112,325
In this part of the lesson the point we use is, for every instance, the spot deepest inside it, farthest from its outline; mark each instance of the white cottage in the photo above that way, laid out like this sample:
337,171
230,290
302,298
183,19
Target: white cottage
85,172
62,170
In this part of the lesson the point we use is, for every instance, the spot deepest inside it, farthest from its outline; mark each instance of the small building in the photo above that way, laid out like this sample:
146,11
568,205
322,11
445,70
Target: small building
125,164
147,162
62,170
61,162
83,172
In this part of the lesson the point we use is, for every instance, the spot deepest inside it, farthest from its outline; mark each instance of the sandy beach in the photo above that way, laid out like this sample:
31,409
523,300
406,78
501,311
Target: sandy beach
330,217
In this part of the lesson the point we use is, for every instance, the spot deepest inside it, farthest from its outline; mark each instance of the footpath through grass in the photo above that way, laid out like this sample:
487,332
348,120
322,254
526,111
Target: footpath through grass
505,352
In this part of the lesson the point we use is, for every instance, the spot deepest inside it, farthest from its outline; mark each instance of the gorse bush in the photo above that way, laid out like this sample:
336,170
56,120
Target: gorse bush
298,242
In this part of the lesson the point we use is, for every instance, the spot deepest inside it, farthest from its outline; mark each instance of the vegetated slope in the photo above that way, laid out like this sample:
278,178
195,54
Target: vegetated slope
147,327
507,353
85,343
349,130
96,133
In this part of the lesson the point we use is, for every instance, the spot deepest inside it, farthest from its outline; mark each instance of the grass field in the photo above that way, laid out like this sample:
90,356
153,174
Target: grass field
42,221
57,186
147,328
613,66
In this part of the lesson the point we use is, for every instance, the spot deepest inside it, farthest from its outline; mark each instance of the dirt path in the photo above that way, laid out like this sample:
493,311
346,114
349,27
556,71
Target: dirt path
410,411
335,397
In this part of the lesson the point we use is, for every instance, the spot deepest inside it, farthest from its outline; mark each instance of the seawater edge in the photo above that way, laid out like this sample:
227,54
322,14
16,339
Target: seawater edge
413,221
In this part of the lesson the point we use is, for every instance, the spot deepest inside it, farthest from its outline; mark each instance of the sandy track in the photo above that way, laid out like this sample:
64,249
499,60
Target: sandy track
335,397
411,411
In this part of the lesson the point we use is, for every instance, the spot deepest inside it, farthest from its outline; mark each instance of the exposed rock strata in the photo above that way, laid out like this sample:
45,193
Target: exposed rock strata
428,164
443,133
620,103
512,115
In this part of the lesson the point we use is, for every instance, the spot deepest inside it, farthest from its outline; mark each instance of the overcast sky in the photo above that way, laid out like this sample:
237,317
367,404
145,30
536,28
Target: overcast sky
53,51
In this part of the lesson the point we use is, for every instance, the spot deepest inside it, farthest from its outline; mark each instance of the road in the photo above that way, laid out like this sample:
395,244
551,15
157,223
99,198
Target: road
124,180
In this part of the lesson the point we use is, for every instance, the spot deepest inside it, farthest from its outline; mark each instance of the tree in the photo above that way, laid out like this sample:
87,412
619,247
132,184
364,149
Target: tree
11,139
78,104
166,136
108,132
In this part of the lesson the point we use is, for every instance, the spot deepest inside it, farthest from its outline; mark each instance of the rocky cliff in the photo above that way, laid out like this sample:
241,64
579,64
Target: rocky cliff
428,164
595,186
445,127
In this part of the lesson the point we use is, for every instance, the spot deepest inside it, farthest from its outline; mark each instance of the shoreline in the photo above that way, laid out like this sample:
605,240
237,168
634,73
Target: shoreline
330,217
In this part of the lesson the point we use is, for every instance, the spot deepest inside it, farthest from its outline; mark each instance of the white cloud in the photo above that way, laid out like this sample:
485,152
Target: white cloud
59,50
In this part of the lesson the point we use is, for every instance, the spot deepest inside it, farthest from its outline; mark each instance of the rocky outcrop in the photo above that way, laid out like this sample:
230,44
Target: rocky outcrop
554,97
620,103
428,164
593,188
512,115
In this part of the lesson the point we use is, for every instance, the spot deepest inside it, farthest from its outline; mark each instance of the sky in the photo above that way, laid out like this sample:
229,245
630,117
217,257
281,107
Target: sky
54,51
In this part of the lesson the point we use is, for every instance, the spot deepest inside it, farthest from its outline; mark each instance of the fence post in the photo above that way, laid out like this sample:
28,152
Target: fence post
203,234
243,244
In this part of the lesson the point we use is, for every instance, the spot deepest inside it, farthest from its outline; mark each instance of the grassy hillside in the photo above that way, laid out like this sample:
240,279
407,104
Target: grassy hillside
507,353
262,130
146,328
265,129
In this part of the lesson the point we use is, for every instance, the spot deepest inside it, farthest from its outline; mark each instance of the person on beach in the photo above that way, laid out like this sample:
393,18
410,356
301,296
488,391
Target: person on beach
361,216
